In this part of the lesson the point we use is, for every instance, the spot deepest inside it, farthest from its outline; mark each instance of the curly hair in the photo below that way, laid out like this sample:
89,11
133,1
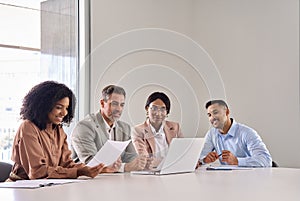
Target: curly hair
41,99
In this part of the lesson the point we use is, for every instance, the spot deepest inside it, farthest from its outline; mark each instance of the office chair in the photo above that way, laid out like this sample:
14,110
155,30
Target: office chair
5,169
274,164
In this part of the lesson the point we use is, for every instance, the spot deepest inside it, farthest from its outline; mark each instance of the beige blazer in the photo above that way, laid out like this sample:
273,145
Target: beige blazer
89,135
143,138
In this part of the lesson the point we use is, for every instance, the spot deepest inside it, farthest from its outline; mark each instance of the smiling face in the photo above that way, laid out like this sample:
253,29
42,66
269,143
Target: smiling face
218,115
59,111
112,108
157,112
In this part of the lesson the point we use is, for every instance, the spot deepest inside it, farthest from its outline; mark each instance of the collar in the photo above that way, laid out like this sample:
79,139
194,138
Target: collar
160,131
232,130
51,127
107,127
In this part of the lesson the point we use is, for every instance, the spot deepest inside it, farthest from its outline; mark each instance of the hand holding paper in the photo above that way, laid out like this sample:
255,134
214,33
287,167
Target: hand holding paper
115,167
109,153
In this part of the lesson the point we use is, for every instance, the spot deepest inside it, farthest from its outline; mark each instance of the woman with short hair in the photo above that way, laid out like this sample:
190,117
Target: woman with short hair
152,138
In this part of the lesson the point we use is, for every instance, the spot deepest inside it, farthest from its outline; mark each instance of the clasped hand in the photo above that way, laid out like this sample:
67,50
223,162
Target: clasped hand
227,157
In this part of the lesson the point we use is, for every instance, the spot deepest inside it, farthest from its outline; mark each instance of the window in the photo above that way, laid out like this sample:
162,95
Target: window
38,41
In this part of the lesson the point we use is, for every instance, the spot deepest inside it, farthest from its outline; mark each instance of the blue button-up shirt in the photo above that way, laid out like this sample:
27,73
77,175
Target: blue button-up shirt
240,140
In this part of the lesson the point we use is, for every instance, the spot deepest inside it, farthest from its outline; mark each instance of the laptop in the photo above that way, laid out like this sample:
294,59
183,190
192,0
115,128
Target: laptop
182,157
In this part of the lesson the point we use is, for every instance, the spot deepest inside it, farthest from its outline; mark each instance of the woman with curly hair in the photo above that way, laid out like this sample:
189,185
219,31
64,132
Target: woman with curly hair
40,148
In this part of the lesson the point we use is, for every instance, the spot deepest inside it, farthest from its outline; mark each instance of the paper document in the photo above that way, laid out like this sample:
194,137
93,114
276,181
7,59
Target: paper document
37,183
109,153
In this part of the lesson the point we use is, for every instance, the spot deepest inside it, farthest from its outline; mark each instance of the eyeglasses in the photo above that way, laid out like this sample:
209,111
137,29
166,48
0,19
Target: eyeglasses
156,109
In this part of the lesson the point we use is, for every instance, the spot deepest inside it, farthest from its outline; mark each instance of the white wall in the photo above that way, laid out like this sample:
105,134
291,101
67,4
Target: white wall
246,52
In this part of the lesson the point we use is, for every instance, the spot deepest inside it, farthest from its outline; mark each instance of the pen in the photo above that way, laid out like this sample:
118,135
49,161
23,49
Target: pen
219,155
46,184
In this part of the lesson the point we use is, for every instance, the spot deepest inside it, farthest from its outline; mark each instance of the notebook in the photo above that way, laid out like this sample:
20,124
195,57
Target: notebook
182,157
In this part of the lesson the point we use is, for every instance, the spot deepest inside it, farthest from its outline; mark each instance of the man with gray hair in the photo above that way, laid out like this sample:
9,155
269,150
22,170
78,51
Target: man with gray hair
91,133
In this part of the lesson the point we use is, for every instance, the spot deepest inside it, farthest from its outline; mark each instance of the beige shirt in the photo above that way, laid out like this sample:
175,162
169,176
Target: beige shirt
42,153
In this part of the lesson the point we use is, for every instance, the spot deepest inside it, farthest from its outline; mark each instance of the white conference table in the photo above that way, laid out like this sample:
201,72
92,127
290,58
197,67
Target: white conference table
255,184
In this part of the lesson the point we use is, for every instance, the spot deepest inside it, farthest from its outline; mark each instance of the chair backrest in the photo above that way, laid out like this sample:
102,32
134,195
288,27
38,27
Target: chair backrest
274,164
5,169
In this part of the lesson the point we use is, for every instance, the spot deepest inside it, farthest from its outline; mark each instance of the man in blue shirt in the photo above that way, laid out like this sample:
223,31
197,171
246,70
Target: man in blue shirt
231,142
